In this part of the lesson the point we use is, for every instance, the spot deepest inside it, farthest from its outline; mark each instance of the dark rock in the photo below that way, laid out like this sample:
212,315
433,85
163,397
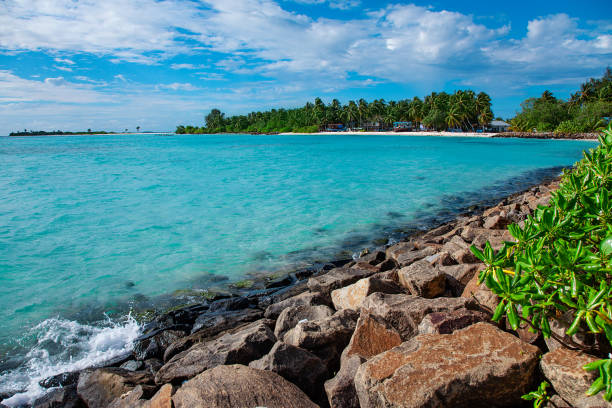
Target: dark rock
60,380
181,319
340,390
241,347
154,346
277,296
373,258
230,304
62,397
99,387
336,329
239,386
296,365
480,366
153,365
134,398
407,258
303,299
449,322
217,322
387,265
280,282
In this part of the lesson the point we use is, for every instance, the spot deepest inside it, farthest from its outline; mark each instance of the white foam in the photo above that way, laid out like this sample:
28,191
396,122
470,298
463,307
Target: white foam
64,346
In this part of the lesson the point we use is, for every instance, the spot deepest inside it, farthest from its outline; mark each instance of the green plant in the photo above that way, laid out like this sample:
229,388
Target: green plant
560,262
539,396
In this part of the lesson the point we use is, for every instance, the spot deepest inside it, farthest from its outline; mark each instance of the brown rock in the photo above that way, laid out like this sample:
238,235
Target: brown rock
240,386
441,259
422,279
62,397
101,386
162,399
463,272
154,346
406,258
396,249
296,365
337,278
241,347
303,299
366,266
496,222
563,368
371,337
340,390
350,297
292,315
480,366
336,329
404,313
449,322
135,398
481,293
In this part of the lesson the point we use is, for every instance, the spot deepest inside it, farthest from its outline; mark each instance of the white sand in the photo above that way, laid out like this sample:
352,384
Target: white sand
450,134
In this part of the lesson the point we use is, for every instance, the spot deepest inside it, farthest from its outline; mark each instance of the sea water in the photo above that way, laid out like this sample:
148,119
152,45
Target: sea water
93,225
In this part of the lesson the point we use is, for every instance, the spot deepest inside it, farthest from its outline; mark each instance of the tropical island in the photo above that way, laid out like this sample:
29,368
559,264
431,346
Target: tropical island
587,110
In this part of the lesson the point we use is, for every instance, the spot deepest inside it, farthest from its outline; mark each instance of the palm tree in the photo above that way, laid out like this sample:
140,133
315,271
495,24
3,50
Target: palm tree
351,113
454,117
138,128
363,110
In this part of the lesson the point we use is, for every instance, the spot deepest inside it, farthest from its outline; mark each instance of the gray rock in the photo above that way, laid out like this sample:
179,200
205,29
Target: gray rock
250,343
239,386
336,329
99,387
340,390
217,322
303,299
132,365
351,296
422,279
337,278
406,258
62,397
292,315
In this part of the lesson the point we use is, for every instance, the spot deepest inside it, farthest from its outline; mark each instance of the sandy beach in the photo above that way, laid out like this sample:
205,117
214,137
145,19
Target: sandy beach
428,133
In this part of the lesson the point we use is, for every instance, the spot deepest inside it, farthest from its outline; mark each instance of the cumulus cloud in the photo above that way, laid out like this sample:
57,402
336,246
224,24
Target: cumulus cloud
177,86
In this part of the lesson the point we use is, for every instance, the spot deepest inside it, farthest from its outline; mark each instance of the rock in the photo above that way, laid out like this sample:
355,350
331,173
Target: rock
371,337
365,266
350,297
296,365
280,281
407,258
132,365
395,250
154,346
336,329
495,238
162,399
422,279
340,390
60,380
462,272
292,315
496,222
180,319
134,398
215,323
62,397
387,265
337,278
557,402
478,366
99,387
441,259
303,299
563,368
596,344
481,293
405,312
242,347
373,258
239,386
153,365
449,322
232,303
263,301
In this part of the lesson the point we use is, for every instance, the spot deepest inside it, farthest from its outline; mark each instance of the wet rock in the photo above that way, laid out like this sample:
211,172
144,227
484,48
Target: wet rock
480,366
239,386
563,368
181,319
371,337
132,365
336,329
340,390
289,317
449,322
213,323
99,387
280,281
60,380
350,297
263,301
247,344
154,346
337,278
232,303
296,365
422,279
62,397
303,299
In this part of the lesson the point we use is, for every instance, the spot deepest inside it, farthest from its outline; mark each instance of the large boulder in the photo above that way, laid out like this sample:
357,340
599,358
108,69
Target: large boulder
154,346
340,390
563,368
303,299
422,279
408,257
351,297
480,366
133,399
296,365
337,278
294,314
248,344
481,293
371,337
462,273
240,386
405,312
448,322
336,329
61,397
99,387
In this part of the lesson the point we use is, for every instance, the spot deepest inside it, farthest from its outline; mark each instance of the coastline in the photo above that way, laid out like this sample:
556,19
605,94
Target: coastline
555,136
225,313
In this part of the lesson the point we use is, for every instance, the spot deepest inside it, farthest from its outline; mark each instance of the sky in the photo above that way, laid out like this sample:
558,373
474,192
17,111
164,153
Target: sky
119,64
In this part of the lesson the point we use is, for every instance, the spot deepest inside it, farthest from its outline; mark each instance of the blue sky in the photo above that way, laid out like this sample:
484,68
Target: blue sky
116,64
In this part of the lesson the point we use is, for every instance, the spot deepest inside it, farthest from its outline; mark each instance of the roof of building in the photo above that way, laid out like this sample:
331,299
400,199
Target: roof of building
500,123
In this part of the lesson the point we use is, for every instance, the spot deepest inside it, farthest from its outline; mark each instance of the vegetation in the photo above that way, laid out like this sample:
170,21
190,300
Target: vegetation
561,262
585,111
56,133
463,109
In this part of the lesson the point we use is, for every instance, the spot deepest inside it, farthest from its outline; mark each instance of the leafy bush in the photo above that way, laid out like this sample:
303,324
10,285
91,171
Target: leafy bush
561,261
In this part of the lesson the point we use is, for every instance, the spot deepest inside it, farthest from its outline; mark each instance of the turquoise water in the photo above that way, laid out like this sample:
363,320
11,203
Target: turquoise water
89,224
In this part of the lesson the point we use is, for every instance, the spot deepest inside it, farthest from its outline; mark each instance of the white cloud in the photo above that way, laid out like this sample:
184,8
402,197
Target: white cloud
67,69
177,86
120,77
185,66
64,61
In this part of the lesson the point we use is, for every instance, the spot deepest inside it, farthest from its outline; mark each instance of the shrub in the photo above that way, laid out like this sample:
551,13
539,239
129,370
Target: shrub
561,261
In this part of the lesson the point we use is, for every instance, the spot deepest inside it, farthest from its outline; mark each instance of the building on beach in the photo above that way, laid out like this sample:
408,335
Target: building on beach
498,126
402,126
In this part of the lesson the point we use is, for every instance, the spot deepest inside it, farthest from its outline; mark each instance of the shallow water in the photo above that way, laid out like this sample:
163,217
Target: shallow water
89,224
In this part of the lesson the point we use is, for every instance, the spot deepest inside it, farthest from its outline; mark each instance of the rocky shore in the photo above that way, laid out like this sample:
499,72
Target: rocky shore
404,326
549,135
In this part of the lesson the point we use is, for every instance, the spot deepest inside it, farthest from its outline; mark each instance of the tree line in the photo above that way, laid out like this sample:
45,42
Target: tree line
462,109
587,110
